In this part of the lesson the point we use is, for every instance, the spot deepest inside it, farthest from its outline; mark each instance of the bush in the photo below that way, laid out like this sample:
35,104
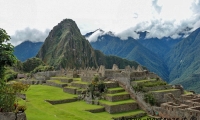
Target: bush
8,95
10,74
43,68
138,88
21,108
30,64
149,98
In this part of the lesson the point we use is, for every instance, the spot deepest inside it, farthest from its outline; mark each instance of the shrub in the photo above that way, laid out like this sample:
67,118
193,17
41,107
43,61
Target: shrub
10,74
42,69
30,64
8,95
149,98
21,108
138,88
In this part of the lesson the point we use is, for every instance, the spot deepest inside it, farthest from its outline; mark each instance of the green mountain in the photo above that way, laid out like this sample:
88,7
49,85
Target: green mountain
131,49
65,47
183,62
27,49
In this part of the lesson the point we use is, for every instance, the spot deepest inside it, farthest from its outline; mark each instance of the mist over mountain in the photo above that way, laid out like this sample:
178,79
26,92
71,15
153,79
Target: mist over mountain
175,60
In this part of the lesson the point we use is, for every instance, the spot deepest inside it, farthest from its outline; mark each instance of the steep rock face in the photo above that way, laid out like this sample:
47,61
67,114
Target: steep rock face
184,61
66,47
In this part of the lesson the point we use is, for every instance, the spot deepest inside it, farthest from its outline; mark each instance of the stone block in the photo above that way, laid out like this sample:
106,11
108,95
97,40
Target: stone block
71,90
114,98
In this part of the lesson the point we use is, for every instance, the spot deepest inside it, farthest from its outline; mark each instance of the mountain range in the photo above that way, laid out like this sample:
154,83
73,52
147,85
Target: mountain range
65,47
175,60
27,50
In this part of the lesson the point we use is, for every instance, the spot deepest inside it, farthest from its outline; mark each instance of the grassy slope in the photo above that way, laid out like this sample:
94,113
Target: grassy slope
38,109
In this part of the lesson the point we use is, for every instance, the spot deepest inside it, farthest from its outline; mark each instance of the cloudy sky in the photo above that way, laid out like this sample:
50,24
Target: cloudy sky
32,19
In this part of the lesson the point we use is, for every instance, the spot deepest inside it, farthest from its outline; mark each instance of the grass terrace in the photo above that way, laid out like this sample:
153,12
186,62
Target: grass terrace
116,103
168,90
39,109
120,93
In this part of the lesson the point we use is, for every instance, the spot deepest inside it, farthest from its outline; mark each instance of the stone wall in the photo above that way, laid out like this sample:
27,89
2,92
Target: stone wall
96,110
131,117
115,91
159,96
79,85
52,83
45,75
12,116
53,102
154,88
33,82
110,73
70,90
171,110
117,97
111,84
120,108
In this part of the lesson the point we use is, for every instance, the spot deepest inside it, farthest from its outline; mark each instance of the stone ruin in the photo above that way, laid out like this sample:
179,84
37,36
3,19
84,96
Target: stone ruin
176,104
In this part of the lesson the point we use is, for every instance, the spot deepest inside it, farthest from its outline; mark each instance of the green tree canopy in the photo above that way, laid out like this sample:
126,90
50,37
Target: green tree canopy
31,63
6,53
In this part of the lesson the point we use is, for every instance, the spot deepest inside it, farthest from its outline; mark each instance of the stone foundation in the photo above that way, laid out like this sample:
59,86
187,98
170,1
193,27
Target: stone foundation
130,117
117,97
120,108
111,84
98,110
115,91
79,85
12,116
71,90
33,82
52,83
159,96
154,88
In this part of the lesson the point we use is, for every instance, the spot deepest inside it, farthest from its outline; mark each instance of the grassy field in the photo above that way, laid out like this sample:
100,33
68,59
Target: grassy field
38,109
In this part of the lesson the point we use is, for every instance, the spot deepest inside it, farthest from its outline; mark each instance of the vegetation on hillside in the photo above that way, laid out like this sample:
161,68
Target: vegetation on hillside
184,62
8,91
65,47
31,64
26,50
131,49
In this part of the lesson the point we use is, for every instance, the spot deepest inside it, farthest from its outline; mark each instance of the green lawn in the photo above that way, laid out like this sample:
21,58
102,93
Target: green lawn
38,109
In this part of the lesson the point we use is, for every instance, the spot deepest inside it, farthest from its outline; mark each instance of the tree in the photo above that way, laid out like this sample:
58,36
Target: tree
6,59
31,63
6,53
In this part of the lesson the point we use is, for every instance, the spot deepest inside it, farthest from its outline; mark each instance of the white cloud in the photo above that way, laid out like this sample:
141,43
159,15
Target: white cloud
95,35
159,17
127,33
33,35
